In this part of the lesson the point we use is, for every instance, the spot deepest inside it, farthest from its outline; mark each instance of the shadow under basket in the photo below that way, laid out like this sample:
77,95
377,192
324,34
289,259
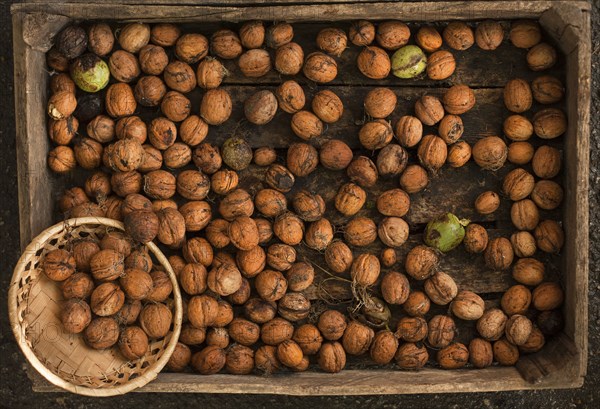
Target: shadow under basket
62,358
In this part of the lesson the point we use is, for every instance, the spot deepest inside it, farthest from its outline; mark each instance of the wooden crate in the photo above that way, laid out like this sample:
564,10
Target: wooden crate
561,364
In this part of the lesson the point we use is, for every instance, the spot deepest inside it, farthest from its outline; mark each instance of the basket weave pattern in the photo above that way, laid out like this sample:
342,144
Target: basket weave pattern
64,358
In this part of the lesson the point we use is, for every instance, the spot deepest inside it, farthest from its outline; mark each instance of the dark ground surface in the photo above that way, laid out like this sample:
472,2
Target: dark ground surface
15,387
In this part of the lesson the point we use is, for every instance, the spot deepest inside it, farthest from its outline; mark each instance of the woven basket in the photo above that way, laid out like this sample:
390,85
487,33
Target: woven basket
62,358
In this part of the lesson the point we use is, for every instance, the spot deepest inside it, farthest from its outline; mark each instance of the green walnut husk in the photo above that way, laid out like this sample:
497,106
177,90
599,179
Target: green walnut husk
90,73
237,153
408,62
445,232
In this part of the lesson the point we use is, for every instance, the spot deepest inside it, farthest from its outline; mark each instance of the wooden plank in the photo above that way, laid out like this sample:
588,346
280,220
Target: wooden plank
30,102
428,11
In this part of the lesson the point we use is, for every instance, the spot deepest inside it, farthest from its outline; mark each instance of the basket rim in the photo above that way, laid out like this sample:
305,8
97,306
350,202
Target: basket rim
29,252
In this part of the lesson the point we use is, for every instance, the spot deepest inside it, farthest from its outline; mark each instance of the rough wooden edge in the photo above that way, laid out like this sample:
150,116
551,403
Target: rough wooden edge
569,25
30,93
429,11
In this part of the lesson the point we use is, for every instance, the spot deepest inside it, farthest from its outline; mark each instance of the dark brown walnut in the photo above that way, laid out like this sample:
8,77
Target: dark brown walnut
550,322
252,34
357,338
276,331
210,73
134,36
149,91
363,172
458,36
411,329
476,238
547,194
319,234
59,265
107,299
499,254
516,300
428,38
520,153
480,353
62,104
164,34
361,33
192,184
440,65
225,44
133,343
239,360
429,110
549,123
107,265
518,184
279,178
63,131
517,95
327,106
71,41
490,153
302,159
467,306
289,59
308,206
546,162
102,333
306,125
374,62
505,353
441,288
392,160
523,244
180,358
290,96
392,34
61,159
411,356
78,285
255,63
349,199
525,33
153,59
441,331
360,231
124,66
453,356
191,48
421,262
171,228
549,236
417,304
524,214
547,89
332,357
459,99
489,35
180,77
57,61
332,40
207,158
260,107
209,360
141,225
541,57
338,256
384,347
124,184
75,316
335,155
320,68
459,154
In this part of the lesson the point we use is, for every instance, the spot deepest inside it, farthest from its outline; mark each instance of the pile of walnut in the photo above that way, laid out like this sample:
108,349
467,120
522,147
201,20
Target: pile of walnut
113,293
245,306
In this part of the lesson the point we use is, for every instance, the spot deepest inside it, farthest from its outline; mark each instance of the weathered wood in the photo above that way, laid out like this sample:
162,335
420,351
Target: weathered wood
430,11
30,103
